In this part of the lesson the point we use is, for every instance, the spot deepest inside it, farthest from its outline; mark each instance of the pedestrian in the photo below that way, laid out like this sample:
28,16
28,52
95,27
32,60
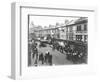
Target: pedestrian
41,58
46,57
33,55
50,59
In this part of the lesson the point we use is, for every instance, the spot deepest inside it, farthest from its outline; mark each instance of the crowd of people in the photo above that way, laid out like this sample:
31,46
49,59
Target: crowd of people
39,57
45,58
74,52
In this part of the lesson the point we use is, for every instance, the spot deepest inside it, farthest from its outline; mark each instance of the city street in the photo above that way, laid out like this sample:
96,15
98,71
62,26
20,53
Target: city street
58,43
57,57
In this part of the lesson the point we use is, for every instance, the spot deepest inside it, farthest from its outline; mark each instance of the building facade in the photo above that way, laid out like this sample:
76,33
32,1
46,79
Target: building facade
77,31
72,32
81,30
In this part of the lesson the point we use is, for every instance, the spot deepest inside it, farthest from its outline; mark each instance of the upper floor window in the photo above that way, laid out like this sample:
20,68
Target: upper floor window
85,27
79,28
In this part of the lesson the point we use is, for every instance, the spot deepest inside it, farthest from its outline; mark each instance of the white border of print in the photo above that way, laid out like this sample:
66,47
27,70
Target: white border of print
20,69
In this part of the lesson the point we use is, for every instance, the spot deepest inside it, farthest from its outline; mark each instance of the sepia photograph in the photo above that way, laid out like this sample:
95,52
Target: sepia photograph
57,40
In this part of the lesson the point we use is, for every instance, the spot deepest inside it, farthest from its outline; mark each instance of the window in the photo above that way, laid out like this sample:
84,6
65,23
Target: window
76,37
85,27
79,37
79,28
85,37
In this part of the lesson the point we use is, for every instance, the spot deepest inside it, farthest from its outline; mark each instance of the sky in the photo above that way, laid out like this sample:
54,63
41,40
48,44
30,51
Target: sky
48,20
